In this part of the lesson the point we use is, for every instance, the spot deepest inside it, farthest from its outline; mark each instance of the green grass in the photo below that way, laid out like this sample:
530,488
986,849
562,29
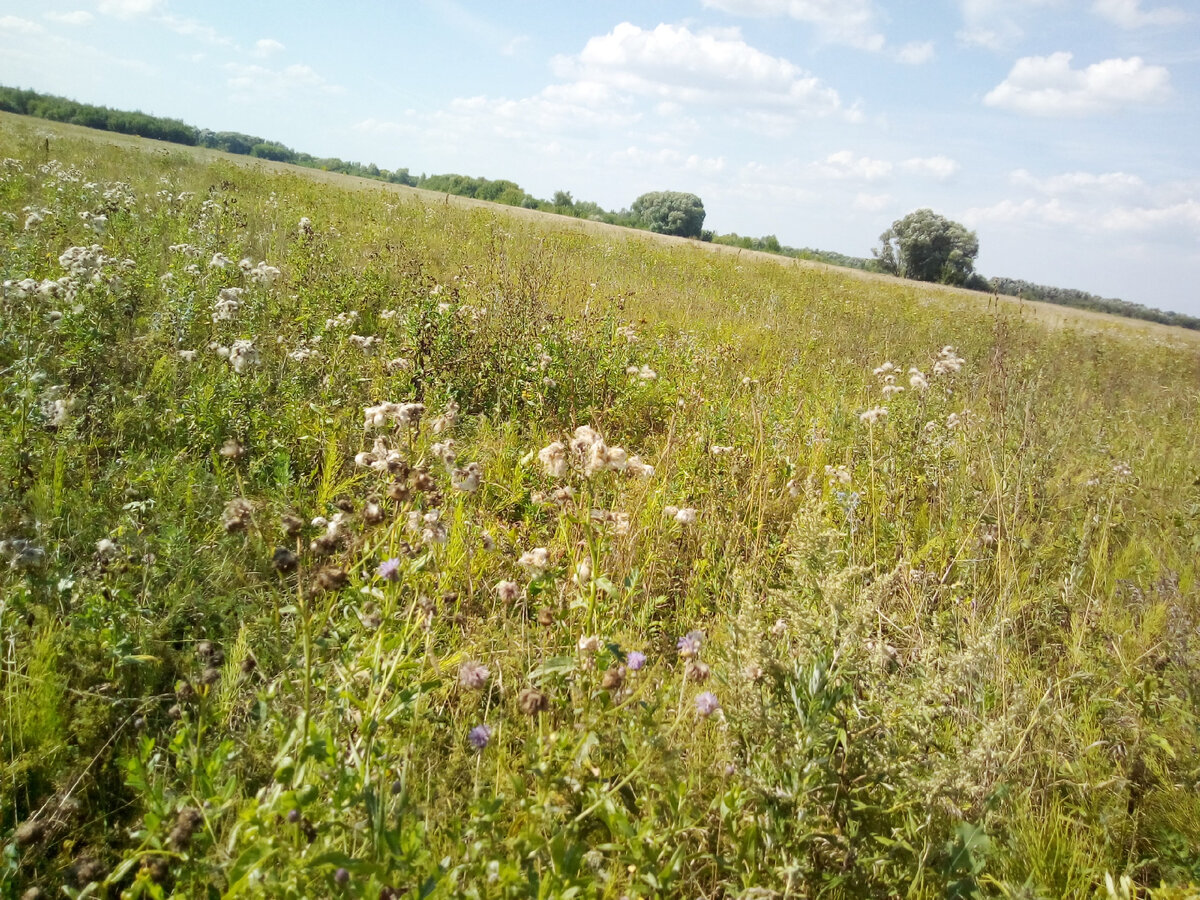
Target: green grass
969,670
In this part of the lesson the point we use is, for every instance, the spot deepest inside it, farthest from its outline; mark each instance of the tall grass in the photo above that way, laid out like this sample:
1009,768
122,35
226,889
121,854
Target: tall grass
952,652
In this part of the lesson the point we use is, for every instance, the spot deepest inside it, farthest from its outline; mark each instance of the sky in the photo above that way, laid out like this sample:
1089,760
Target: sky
1064,132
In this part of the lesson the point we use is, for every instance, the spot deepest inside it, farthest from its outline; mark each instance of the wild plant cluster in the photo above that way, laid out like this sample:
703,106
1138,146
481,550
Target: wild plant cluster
356,547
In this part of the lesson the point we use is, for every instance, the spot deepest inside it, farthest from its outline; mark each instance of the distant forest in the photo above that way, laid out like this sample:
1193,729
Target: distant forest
60,109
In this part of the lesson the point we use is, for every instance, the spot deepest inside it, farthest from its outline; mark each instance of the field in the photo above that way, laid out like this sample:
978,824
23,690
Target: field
362,543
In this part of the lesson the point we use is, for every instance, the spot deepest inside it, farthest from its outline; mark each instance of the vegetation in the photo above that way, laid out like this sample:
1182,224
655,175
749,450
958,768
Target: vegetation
670,212
430,552
928,247
1082,300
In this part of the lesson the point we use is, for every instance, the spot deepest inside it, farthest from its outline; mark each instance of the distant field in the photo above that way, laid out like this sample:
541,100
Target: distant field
1049,313
380,544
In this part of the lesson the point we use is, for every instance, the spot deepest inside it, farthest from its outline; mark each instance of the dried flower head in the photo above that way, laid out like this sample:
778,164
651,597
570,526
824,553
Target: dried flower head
689,644
531,701
473,675
553,458
237,514
508,591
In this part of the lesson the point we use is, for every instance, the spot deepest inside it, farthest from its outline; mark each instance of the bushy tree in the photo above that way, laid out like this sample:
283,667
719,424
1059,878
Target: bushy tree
670,212
928,247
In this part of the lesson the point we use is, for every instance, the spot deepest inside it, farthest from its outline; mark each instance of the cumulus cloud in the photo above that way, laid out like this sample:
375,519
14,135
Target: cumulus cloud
265,47
995,24
667,158
713,68
1048,86
1129,13
850,22
916,53
19,25
128,9
872,203
845,165
77,17
1079,182
250,83
937,167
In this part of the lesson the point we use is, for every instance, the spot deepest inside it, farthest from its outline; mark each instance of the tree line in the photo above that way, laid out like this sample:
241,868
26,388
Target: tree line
923,245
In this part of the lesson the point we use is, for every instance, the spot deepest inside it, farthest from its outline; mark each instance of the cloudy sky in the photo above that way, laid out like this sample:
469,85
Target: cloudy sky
1064,132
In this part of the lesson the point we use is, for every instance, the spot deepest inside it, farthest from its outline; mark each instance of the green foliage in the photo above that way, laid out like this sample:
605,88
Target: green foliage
928,247
954,647
670,212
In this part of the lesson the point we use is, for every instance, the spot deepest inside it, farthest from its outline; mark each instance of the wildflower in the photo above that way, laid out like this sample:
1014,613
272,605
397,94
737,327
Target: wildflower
645,373
106,549
697,671
446,420
242,355
589,643
331,578
434,531
389,569
473,675
284,560
837,475
219,261
890,389
613,678
508,591
637,468
290,524
479,736
1123,470
601,457
305,226
372,513
583,571
231,449
33,220
406,415
532,701
57,412
444,450
707,704
187,355
885,370
487,541
584,438
689,644
364,343
873,415
635,660
779,629
628,332
467,479
670,511
237,514
341,876
685,516
553,458
947,362
917,380
719,450
536,560
953,421
264,274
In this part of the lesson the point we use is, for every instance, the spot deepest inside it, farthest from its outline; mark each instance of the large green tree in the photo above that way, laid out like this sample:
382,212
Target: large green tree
928,247
670,212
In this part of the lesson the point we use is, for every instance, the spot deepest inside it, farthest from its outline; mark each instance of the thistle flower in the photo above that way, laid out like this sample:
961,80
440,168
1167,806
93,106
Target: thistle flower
584,438
638,469
707,704
689,644
389,569
231,449
601,457
628,332
264,274
237,514
589,644
886,369
553,458
947,362
837,475
446,420
479,736
635,660
473,675
508,591
364,342
536,560
917,380
444,450
242,355
106,548
697,671
719,450
406,415
187,355
220,261
953,421
685,516
305,226
873,415
532,701
467,479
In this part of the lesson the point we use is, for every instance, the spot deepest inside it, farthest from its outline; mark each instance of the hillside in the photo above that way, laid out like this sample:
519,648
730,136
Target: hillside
377,543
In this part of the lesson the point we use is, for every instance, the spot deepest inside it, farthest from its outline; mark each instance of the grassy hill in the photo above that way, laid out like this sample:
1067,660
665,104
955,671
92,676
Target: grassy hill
368,544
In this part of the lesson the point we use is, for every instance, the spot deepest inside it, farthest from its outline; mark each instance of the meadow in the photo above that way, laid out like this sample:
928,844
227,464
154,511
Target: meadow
355,543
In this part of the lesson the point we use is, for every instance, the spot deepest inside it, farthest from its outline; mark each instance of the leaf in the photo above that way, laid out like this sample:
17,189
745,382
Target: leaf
556,665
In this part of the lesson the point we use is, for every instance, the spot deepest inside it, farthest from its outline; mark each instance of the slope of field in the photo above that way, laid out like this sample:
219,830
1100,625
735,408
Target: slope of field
378,544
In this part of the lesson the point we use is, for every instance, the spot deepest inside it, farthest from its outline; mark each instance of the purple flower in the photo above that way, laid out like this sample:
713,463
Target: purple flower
689,644
635,660
479,736
473,675
707,703
389,569
341,876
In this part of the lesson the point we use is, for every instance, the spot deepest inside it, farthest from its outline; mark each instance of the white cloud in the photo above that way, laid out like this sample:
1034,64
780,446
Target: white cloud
511,47
19,25
666,158
1129,13
128,9
872,203
1048,86
1120,219
915,54
192,28
78,17
1079,182
845,165
850,22
940,168
673,63
250,83
995,24
264,47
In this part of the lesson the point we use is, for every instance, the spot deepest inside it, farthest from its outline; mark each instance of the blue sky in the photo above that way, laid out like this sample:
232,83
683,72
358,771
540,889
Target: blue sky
1063,131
